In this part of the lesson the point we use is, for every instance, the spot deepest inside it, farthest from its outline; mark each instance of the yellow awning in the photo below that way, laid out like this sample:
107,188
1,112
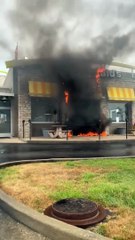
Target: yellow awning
121,94
41,89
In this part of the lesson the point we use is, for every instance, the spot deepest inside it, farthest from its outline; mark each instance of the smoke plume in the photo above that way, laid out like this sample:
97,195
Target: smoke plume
76,35
101,29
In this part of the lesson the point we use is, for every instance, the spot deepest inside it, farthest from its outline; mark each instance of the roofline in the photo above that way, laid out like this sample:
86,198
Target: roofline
118,64
21,62
27,62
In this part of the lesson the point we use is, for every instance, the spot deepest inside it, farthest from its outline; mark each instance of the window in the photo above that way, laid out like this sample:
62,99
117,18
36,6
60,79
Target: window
44,109
117,112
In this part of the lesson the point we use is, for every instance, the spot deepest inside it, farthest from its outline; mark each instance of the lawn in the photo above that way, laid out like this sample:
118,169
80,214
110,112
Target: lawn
110,182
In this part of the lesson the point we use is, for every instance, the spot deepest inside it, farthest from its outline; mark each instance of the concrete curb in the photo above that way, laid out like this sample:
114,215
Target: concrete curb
51,160
47,226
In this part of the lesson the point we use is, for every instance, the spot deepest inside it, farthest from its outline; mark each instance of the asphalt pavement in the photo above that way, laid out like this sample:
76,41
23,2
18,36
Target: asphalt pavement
77,147
12,230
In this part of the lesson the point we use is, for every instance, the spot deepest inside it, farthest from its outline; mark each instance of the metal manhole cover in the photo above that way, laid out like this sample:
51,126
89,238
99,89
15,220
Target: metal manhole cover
77,211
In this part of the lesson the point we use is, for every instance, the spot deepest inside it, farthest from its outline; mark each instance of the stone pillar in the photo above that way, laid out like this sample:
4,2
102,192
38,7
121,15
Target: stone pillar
24,113
24,104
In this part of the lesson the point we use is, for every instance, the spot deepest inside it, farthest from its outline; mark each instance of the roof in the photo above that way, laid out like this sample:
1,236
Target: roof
22,62
27,62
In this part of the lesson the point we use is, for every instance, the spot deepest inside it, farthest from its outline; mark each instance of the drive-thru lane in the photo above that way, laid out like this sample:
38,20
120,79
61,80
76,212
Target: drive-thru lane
13,152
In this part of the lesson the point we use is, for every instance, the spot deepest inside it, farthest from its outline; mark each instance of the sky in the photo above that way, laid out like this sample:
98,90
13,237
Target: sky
6,36
47,28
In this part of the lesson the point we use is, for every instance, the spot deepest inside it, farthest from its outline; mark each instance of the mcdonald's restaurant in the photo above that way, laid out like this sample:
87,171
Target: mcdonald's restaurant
31,102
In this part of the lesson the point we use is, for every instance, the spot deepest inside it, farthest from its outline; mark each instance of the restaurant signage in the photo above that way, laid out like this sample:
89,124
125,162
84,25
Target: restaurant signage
117,74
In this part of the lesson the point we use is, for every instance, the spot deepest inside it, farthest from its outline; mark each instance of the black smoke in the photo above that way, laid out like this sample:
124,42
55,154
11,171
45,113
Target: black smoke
79,36
76,75
100,29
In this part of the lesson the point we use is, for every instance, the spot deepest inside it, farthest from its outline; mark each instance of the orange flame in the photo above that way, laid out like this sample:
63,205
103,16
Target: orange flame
89,134
98,74
66,94
70,134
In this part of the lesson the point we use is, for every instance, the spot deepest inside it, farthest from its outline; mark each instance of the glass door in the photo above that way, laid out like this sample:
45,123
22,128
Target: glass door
5,122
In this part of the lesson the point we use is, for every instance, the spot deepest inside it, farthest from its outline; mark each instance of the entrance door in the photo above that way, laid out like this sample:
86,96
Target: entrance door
5,122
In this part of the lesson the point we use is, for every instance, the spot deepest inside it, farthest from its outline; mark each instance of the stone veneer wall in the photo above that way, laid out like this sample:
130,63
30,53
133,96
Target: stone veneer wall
24,104
25,74
24,113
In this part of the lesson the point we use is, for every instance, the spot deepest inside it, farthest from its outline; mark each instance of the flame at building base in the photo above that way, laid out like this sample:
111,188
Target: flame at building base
92,134
89,134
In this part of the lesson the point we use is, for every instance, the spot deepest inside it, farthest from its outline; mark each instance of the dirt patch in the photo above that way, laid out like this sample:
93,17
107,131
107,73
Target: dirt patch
118,228
36,181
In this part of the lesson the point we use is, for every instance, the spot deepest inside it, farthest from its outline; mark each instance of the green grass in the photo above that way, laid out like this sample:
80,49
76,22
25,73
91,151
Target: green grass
70,164
8,173
88,176
113,195
67,190
114,186
101,230
121,163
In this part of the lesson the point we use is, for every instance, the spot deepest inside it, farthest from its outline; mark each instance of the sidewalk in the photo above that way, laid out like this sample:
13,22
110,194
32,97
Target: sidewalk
11,140
76,138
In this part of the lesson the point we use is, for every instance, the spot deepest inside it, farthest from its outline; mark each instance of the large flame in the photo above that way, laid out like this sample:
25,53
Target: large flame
98,74
66,95
92,134
89,134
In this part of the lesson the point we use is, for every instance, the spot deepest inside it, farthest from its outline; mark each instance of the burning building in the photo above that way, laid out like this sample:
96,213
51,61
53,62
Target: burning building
56,92
69,93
